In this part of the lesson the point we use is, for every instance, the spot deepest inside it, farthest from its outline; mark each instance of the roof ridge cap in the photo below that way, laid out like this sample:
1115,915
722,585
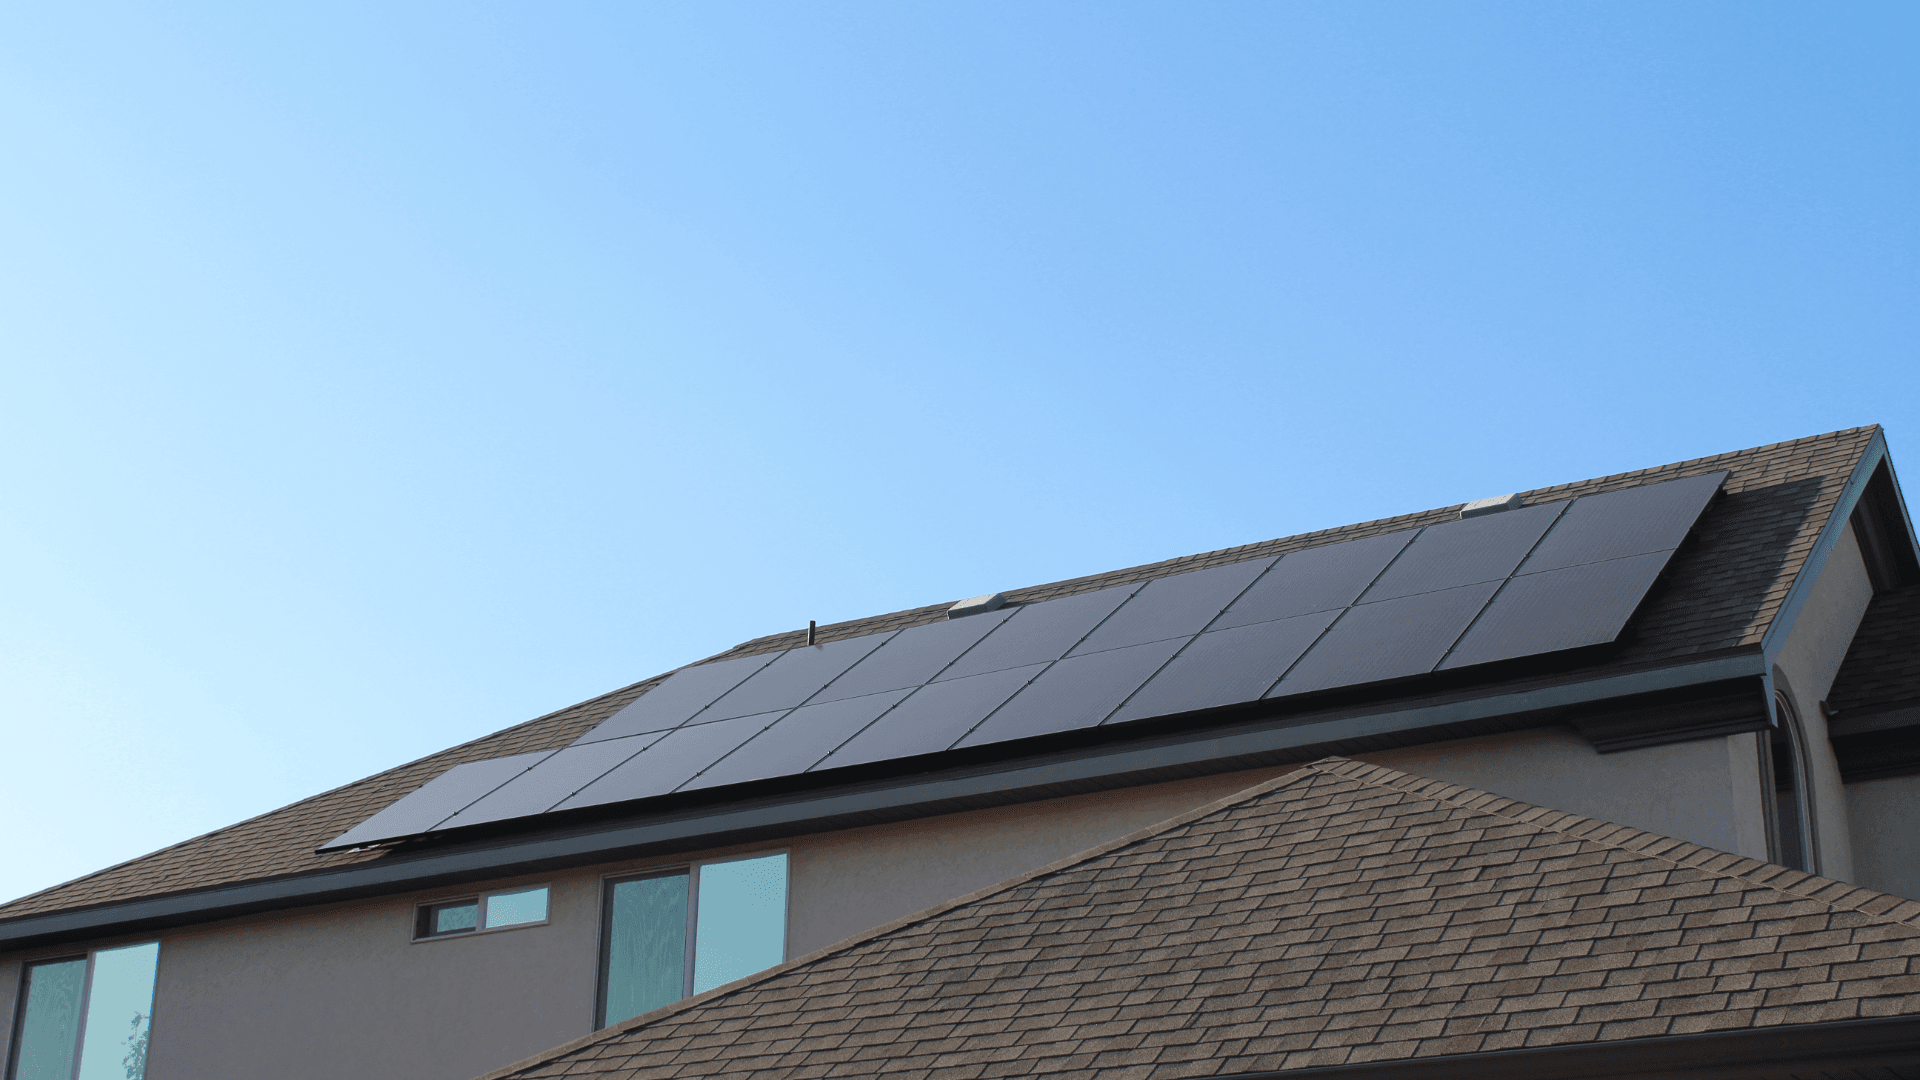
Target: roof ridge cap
1291,776
1841,895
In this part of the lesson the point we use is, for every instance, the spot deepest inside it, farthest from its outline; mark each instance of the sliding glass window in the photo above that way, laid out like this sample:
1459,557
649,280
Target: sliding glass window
85,1017
679,932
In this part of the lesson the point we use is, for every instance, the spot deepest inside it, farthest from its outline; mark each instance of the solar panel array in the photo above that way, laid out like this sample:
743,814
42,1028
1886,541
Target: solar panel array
1524,582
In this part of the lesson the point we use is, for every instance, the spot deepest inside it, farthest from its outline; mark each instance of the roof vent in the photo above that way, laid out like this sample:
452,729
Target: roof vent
1490,506
977,606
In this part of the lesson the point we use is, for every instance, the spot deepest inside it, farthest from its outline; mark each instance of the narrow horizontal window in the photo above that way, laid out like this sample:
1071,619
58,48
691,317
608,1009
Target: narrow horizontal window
517,908
86,1017
451,917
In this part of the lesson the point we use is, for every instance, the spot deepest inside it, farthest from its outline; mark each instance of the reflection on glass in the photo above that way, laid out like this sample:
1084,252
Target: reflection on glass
119,1006
51,1025
514,908
742,924
646,945
451,917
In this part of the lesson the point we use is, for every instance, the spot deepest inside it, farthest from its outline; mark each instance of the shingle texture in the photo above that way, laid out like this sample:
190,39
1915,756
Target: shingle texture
1725,592
1882,668
1345,913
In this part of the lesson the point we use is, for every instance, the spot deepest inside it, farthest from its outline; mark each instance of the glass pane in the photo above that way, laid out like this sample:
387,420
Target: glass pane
646,945
119,1007
451,917
514,908
52,1023
742,924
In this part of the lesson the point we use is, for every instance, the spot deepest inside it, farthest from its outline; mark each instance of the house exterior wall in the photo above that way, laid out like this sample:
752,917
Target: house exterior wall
1886,845
1804,671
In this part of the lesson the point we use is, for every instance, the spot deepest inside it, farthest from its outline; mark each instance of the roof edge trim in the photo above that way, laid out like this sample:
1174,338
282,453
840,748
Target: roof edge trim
1781,626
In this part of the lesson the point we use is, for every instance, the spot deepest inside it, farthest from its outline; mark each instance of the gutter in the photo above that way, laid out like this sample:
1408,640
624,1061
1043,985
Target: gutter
1250,744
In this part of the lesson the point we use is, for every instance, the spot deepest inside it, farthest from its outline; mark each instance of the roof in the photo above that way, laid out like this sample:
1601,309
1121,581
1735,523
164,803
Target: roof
1725,592
1342,914
1882,668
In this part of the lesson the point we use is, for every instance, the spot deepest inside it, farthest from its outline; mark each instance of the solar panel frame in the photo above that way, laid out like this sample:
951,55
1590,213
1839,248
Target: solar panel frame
1568,608
913,656
793,677
931,719
1077,692
1038,632
800,738
1176,606
1351,654
679,698
1231,666
552,781
1326,578
1630,521
1464,552
423,809
679,756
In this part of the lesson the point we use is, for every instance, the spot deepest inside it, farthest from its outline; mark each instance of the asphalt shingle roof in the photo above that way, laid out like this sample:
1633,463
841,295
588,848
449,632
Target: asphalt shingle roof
1882,668
1341,914
1726,590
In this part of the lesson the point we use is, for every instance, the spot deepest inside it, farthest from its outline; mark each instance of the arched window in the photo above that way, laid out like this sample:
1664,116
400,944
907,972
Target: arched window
1790,836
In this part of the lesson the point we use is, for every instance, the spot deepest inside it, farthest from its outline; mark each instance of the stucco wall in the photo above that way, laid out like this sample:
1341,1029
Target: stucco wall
1804,670
1886,845
1705,791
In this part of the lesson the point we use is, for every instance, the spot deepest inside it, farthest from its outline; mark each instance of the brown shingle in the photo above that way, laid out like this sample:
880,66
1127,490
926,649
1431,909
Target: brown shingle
1725,591
1232,1003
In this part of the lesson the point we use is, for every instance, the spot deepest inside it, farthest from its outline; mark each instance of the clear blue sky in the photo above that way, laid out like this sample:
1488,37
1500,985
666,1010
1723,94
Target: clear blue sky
377,376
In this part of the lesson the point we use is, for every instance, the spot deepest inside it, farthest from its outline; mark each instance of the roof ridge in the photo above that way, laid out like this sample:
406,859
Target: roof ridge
1640,842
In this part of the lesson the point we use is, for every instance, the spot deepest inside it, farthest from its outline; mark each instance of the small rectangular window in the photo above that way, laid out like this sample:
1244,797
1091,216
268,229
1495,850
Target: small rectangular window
682,932
493,911
86,1017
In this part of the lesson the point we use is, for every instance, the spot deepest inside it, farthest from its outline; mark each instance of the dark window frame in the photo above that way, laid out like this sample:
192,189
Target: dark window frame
423,913
10,1062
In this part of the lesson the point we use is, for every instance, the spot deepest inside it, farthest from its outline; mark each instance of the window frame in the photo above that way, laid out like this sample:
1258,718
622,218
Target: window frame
1788,736
10,1063
422,911
691,868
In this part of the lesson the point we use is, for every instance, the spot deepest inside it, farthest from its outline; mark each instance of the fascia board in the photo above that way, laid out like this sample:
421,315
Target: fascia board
1243,746
1781,627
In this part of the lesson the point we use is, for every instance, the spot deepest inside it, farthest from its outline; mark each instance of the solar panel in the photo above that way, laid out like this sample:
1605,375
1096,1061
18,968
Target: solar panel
676,758
932,719
1559,609
913,656
1317,579
544,786
797,740
679,698
1036,633
794,677
1173,607
1387,640
1464,552
1226,667
1077,692
437,800
1632,521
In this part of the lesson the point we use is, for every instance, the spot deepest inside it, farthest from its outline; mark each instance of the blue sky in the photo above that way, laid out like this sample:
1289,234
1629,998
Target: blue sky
378,376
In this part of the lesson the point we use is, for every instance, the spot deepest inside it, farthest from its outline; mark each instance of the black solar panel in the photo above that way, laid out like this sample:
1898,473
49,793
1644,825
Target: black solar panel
1387,640
675,759
1317,579
932,719
1226,667
1077,692
1632,521
679,698
1036,633
547,784
797,675
1464,552
797,740
1559,609
437,800
913,656
1173,607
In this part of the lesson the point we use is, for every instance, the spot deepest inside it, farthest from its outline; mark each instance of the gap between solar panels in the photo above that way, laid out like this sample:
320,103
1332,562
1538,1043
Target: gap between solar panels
1523,582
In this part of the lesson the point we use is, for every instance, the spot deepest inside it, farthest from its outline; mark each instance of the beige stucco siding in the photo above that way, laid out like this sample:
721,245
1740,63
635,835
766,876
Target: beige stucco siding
1886,843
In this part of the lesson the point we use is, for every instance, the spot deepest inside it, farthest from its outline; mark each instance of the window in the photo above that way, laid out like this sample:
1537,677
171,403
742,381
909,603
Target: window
675,933
494,911
85,1017
1789,810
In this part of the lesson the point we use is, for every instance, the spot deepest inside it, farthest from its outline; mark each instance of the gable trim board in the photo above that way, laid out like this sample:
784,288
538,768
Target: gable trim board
268,861
1675,906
